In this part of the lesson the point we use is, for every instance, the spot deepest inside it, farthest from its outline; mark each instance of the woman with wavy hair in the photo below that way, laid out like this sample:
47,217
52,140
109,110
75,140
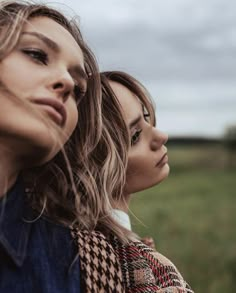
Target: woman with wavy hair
137,159
50,124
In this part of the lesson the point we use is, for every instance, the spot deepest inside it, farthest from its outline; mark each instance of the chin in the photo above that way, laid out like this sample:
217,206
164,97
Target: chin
37,155
47,151
157,180
163,174
40,147
166,171
146,182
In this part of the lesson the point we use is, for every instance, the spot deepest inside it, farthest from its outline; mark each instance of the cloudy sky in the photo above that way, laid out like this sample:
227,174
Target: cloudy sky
183,51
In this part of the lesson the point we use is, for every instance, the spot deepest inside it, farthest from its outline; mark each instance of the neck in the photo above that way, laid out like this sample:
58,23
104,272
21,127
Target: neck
8,172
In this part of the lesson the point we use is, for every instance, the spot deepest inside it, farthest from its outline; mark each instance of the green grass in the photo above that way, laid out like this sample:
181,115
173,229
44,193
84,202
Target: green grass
192,217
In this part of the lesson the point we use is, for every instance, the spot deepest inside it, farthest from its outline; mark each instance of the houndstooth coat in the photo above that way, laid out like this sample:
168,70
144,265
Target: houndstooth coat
110,266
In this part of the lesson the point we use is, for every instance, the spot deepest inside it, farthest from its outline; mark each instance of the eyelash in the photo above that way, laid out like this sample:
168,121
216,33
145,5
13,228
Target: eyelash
40,56
146,117
135,137
37,54
78,93
146,114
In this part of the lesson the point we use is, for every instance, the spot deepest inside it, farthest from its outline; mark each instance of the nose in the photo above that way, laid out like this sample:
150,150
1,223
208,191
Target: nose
62,85
158,139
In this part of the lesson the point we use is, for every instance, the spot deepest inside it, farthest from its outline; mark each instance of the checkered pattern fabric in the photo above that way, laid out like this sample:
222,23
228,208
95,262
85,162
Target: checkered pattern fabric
100,268
116,267
145,270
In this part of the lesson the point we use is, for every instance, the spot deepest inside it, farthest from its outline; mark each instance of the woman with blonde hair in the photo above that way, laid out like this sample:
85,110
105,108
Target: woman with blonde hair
50,123
139,161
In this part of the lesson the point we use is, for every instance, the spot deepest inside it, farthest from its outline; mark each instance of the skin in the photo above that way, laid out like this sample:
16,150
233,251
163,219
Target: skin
147,157
31,133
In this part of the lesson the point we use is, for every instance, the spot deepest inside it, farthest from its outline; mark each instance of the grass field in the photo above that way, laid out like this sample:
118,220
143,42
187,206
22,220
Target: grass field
192,217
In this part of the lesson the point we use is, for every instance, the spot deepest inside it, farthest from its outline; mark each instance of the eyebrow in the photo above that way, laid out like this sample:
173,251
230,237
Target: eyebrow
77,69
50,43
135,121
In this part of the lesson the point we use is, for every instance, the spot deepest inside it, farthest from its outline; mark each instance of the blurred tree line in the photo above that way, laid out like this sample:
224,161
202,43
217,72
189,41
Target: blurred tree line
230,144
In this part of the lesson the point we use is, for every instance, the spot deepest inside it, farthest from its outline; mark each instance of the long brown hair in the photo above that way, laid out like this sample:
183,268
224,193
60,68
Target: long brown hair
58,187
118,133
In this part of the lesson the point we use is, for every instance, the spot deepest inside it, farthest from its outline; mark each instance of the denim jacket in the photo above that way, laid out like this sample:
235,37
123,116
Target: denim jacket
35,256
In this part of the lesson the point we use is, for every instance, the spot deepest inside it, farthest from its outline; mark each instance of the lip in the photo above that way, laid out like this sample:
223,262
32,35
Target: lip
54,108
162,161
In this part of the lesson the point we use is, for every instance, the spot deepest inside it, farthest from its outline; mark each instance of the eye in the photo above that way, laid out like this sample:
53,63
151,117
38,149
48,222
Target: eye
78,93
37,54
146,114
146,117
135,137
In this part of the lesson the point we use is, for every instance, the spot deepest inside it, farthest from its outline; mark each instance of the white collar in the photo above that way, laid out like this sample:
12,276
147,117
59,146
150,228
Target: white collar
122,218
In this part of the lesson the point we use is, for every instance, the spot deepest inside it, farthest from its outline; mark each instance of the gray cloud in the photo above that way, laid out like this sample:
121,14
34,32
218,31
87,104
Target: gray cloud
184,51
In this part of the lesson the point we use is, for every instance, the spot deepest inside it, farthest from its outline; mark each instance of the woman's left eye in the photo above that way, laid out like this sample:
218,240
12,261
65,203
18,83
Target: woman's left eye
37,54
135,138
78,94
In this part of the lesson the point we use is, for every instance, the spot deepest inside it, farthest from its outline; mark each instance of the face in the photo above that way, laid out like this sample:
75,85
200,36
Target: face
147,157
45,73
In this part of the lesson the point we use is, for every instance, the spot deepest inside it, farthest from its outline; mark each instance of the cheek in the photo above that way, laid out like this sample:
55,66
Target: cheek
142,174
135,167
72,118
139,162
10,76
136,174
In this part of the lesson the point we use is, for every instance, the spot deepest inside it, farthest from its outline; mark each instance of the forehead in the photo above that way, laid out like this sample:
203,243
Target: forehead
54,31
130,104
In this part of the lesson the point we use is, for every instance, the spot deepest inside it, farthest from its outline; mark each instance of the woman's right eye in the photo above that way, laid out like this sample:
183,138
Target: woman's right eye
37,54
135,137
147,117
146,114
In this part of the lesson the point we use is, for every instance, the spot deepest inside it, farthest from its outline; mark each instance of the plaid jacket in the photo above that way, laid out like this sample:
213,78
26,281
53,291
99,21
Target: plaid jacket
146,270
110,266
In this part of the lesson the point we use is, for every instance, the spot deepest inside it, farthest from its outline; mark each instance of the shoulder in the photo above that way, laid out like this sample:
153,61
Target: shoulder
53,238
143,267
100,268
52,232
165,272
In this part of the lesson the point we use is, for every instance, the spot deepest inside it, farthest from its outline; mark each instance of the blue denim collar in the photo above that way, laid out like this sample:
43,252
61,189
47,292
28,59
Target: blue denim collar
14,230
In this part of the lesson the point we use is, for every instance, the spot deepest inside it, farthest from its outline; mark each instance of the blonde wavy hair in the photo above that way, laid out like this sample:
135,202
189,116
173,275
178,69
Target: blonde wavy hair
65,188
116,158
81,183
